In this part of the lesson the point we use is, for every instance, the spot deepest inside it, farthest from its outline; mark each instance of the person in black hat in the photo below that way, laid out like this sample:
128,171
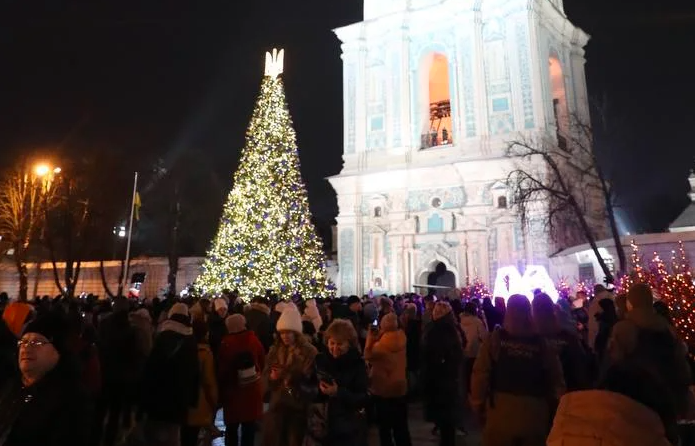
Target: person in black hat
41,407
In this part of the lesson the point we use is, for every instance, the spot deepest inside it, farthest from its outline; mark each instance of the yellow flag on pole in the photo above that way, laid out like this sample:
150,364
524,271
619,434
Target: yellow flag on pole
137,204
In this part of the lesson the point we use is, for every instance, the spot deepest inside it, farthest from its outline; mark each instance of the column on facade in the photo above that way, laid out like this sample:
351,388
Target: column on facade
361,104
577,62
480,92
539,69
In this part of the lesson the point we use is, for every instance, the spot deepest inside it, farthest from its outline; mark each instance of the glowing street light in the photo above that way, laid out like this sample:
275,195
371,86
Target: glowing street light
120,231
42,170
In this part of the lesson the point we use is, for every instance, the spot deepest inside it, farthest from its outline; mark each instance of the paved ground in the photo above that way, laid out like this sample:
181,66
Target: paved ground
420,431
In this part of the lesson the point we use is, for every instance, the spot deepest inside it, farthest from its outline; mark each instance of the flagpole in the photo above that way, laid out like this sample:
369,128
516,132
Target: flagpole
130,232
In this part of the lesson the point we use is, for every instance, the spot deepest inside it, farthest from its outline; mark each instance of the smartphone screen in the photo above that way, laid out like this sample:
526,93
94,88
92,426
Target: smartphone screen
375,323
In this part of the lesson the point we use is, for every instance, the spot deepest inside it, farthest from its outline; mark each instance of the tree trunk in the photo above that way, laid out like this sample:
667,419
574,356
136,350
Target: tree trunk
622,260
592,241
22,273
105,283
175,212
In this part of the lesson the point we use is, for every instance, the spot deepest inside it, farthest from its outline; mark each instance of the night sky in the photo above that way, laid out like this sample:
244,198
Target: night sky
173,83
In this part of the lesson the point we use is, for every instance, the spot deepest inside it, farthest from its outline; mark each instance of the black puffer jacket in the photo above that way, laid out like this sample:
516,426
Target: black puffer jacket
345,423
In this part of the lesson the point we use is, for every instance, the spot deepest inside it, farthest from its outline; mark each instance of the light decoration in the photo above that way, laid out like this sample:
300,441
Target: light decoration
564,289
509,281
677,290
475,290
266,240
673,286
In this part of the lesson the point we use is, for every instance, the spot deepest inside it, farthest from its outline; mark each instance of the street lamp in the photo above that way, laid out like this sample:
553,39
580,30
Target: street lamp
42,170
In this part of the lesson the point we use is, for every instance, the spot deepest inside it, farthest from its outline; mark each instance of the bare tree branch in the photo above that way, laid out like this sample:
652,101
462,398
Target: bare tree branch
561,175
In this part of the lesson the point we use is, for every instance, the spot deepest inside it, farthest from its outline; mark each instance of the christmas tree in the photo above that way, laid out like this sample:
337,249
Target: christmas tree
266,240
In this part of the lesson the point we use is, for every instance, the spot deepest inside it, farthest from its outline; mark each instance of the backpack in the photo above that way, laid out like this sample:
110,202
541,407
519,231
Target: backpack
656,353
245,367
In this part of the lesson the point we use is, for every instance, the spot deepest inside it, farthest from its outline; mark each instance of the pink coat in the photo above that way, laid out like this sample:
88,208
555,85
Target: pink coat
241,404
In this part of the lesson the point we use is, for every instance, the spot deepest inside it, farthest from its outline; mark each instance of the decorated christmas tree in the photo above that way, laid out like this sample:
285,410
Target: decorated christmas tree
266,240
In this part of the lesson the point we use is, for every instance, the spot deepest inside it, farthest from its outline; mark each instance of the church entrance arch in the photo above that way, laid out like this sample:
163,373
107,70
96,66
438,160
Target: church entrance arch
438,272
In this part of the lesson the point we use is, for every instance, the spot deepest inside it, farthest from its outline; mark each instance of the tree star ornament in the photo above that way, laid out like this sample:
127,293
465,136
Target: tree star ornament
274,63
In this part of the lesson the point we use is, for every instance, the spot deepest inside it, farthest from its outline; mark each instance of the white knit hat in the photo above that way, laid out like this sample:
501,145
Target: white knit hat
290,320
178,308
311,313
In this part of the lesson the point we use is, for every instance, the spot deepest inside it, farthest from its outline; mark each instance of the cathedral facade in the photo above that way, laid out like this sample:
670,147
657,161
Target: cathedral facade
434,90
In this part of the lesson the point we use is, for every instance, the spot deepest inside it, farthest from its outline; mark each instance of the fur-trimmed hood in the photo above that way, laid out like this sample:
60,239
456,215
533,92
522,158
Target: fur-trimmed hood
177,327
263,308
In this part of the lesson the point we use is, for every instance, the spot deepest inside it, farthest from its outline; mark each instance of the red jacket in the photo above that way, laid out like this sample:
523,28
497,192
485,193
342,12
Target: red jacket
241,404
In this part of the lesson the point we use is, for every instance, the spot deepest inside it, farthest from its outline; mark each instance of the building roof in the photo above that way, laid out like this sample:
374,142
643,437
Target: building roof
686,221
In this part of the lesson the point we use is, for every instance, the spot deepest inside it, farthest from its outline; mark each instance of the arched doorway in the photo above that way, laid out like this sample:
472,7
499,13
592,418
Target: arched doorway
438,274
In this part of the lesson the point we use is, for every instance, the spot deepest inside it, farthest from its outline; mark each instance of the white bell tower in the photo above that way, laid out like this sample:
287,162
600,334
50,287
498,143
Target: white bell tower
433,90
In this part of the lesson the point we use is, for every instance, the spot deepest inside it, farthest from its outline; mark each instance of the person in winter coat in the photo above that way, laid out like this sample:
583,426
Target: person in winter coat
14,317
122,360
476,333
202,416
492,315
289,364
442,360
646,340
142,322
627,409
600,292
172,379
217,327
338,391
242,359
607,318
516,379
46,404
257,315
413,333
574,360
385,351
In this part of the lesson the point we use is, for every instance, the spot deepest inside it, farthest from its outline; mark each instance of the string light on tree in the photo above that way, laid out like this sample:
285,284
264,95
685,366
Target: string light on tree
266,240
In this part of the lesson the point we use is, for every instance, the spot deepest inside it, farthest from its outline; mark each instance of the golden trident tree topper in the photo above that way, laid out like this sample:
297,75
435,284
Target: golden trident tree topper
274,62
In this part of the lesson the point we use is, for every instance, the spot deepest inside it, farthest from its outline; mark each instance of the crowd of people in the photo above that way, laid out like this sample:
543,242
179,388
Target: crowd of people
88,372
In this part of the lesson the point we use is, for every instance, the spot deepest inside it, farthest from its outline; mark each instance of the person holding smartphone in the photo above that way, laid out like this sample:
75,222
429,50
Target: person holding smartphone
336,417
288,366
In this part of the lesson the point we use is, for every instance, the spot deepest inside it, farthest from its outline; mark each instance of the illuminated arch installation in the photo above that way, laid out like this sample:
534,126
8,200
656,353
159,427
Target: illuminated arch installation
509,281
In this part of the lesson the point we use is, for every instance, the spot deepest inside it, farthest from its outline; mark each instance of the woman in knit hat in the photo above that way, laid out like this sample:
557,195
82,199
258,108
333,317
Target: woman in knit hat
40,407
241,361
289,364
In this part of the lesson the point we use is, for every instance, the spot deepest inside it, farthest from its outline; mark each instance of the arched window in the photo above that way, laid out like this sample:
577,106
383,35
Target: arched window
435,223
377,212
502,202
559,98
436,101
